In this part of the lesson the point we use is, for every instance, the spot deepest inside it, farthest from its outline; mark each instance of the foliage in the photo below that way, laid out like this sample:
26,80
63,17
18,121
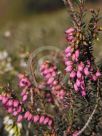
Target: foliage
56,107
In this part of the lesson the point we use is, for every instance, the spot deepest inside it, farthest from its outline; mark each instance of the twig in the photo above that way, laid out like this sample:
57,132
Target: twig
94,111
69,2
28,132
31,69
32,101
88,121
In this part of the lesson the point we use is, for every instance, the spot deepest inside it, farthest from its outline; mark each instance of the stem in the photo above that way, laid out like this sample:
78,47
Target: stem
69,2
32,101
28,131
88,121
31,70
94,111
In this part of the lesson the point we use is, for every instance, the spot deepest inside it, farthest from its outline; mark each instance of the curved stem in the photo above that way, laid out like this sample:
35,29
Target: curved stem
31,70
88,121
94,111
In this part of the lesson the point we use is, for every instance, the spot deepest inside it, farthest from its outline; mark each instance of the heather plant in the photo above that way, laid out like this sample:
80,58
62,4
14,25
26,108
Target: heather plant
61,102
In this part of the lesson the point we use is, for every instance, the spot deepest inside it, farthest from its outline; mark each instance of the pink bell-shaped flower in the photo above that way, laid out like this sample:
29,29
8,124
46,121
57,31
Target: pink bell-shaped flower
46,120
20,118
36,118
41,119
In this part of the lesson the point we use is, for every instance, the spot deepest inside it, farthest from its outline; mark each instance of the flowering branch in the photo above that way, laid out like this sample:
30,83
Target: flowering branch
92,114
52,103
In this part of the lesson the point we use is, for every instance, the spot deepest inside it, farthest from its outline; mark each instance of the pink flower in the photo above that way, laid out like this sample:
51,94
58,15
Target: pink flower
15,103
80,67
86,71
46,120
94,78
45,72
41,85
57,88
50,122
25,97
79,75
55,82
68,63
23,92
73,74
73,57
36,118
10,102
70,30
51,79
68,50
47,76
98,74
10,110
20,118
61,94
75,133
41,119
70,34
19,109
23,81
15,113
4,100
77,53
68,54
26,114
50,70
78,83
69,68
70,38
83,92
30,117
53,74
76,87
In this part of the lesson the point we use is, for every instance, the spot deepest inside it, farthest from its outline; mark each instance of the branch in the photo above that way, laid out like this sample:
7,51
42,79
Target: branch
69,2
92,114
30,66
88,121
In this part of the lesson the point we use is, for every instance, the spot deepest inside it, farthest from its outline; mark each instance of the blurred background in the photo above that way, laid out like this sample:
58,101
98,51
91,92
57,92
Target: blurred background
28,24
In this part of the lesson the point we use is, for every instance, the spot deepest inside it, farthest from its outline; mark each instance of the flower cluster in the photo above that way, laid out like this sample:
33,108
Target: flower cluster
79,69
70,34
51,102
50,74
39,119
24,83
12,105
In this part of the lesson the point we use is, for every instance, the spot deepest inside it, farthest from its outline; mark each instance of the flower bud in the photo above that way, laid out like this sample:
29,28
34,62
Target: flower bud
36,118
15,103
46,120
72,74
69,68
25,97
79,75
86,71
98,74
76,87
20,118
41,119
